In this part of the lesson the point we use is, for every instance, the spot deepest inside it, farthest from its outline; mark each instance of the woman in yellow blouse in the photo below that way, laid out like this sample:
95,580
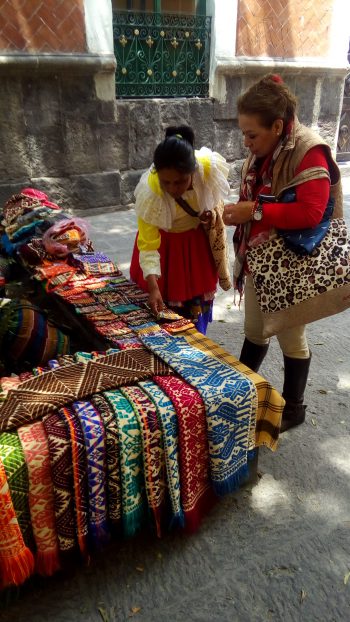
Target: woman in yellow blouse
175,202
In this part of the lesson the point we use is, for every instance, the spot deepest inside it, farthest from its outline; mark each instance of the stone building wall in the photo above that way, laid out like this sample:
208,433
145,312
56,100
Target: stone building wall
57,102
63,131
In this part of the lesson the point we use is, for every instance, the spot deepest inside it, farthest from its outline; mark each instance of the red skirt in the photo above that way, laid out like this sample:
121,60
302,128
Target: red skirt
187,266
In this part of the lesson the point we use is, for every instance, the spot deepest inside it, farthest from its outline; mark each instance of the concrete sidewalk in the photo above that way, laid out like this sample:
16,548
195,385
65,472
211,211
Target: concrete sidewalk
277,551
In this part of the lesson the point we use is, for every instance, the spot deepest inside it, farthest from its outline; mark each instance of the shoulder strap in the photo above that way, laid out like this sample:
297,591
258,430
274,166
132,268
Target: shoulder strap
186,206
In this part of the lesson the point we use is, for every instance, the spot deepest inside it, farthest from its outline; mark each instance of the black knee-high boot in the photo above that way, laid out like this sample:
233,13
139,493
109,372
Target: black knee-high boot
296,373
252,354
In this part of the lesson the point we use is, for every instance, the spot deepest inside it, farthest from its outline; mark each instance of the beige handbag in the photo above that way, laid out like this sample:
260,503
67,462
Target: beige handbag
292,289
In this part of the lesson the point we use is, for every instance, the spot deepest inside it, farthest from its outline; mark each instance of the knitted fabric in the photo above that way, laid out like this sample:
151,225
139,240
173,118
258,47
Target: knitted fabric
41,497
196,490
80,483
152,447
13,459
167,419
61,464
37,396
131,467
113,458
16,560
95,445
265,427
230,399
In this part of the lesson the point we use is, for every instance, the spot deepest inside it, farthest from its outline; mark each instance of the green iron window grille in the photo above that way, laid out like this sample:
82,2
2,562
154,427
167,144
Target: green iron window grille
161,55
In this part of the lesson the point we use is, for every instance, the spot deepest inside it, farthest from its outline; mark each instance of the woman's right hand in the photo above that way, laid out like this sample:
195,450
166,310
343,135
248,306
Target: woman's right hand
155,300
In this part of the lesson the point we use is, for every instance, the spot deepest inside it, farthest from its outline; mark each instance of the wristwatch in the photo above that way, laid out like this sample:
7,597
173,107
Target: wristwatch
258,210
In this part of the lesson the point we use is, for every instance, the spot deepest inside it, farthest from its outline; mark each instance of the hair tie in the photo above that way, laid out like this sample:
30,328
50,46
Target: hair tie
179,135
276,78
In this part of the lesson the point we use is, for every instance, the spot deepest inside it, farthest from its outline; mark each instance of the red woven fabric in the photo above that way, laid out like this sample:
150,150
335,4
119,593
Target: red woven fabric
16,560
197,495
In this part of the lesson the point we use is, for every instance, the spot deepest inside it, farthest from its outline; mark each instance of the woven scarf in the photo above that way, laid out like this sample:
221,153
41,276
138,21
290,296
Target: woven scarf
77,442
95,445
196,491
41,497
167,419
13,459
152,447
60,451
39,395
264,429
113,458
257,178
131,466
229,397
16,560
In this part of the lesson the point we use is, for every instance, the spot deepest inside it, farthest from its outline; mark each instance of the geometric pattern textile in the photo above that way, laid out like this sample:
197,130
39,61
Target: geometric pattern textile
230,400
41,498
167,418
270,402
40,395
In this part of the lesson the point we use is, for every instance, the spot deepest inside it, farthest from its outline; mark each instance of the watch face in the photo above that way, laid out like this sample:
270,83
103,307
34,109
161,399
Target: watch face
257,215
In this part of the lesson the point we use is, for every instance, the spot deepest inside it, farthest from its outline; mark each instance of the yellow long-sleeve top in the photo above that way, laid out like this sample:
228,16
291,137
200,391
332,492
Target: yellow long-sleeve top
157,210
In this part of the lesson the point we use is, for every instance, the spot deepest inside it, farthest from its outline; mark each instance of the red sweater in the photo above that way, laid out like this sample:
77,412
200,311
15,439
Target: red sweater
307,211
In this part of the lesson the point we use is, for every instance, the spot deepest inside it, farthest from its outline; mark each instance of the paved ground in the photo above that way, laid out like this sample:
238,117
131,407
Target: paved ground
277,551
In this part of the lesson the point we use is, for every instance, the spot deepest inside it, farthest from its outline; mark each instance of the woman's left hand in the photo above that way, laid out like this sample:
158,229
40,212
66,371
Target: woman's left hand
238,213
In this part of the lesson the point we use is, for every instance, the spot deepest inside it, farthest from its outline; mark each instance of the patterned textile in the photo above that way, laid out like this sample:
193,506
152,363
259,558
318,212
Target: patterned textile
128,343
62,478
13,459
131,467
152,447
248,193
27,337
57,387
270,403
230,399
41,497
96,263
113,458
16,560
95,444
196,491
167,419
178,327
80,483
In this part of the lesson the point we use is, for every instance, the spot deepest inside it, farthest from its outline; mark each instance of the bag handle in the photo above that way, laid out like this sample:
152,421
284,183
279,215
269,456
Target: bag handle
186,206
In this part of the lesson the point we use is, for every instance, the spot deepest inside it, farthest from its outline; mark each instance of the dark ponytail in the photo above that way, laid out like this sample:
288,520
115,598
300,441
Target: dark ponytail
176,150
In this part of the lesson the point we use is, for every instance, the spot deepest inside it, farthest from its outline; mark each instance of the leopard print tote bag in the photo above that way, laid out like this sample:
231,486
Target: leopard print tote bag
298,289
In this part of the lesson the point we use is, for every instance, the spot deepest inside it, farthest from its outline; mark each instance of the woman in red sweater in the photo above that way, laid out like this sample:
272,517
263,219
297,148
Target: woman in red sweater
281,151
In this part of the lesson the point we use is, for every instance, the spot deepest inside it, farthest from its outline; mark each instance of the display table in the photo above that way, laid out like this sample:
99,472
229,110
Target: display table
149,432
